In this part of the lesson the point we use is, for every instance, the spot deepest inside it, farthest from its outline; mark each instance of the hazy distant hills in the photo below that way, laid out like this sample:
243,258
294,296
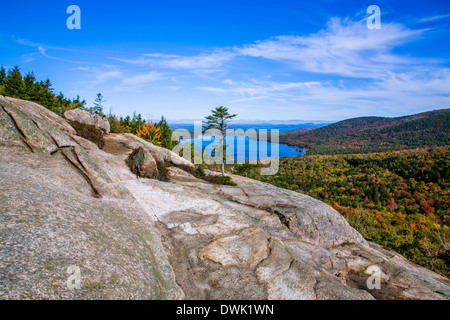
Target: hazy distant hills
286,126
372,134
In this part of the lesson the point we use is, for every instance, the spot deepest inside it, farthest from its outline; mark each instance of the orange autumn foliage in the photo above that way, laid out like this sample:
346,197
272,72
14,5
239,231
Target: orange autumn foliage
150,132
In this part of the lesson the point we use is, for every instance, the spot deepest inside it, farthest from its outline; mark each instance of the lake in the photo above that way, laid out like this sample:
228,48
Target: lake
246,148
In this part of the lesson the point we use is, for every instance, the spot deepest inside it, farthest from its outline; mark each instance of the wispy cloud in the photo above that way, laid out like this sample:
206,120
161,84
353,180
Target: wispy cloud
140,79
205,62
346,48
100,74
434,18
43,49
343,98
28,57
237,91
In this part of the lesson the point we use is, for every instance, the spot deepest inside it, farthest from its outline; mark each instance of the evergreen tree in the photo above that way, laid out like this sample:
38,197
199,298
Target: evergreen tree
98,105
2,76
77,103
219,120
14,86
29,88
136,123
46,95
47,85
60,104
114,123
41,92
37,89
166,134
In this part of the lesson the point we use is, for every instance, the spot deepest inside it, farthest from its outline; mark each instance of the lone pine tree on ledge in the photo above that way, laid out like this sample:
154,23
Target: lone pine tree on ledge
219,120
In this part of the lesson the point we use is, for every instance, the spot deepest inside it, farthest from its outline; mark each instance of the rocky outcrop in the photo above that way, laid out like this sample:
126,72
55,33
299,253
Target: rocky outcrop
65,202
59,208
86,117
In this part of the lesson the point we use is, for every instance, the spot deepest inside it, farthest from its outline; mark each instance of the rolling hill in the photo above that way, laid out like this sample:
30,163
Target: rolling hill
374,134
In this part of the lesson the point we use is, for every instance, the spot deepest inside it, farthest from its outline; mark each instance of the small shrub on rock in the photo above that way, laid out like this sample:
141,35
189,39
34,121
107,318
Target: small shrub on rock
163,172
198,171
218,179
89,132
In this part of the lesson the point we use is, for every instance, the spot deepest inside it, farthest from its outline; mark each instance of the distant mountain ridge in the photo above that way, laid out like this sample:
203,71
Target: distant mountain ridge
257,126
373,134
254,122
269,126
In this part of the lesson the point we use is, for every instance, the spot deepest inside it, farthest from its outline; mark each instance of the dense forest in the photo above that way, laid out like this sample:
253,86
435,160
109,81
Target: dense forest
13,84
397,199
375,134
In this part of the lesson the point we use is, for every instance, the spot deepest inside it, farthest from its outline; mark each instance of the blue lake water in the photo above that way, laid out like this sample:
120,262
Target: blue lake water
246,148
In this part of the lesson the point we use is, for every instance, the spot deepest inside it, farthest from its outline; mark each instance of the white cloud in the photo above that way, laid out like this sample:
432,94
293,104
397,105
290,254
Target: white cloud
205,62
365,77
28,57
141,79
434,18
345,48
401,93
257,89
100,74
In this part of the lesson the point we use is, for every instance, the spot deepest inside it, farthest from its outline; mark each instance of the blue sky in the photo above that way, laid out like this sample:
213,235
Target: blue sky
265,60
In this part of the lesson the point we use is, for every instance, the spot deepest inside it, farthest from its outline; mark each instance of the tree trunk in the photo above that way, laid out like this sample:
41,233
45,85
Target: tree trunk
222,130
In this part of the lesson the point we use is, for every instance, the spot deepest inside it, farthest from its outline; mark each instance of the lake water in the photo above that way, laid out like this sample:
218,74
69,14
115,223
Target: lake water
246,148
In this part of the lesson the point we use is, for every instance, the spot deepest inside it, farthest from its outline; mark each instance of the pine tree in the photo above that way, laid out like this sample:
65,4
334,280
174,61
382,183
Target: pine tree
14,86
77,103
2,79
29,88
98,105
2,76
46,96
136,122
166,133
115,125
219,120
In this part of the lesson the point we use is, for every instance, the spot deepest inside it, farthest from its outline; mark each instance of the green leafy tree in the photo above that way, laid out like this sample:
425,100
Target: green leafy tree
219,119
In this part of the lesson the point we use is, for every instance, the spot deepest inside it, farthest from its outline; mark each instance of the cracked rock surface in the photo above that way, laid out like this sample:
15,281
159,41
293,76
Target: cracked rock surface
65,202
